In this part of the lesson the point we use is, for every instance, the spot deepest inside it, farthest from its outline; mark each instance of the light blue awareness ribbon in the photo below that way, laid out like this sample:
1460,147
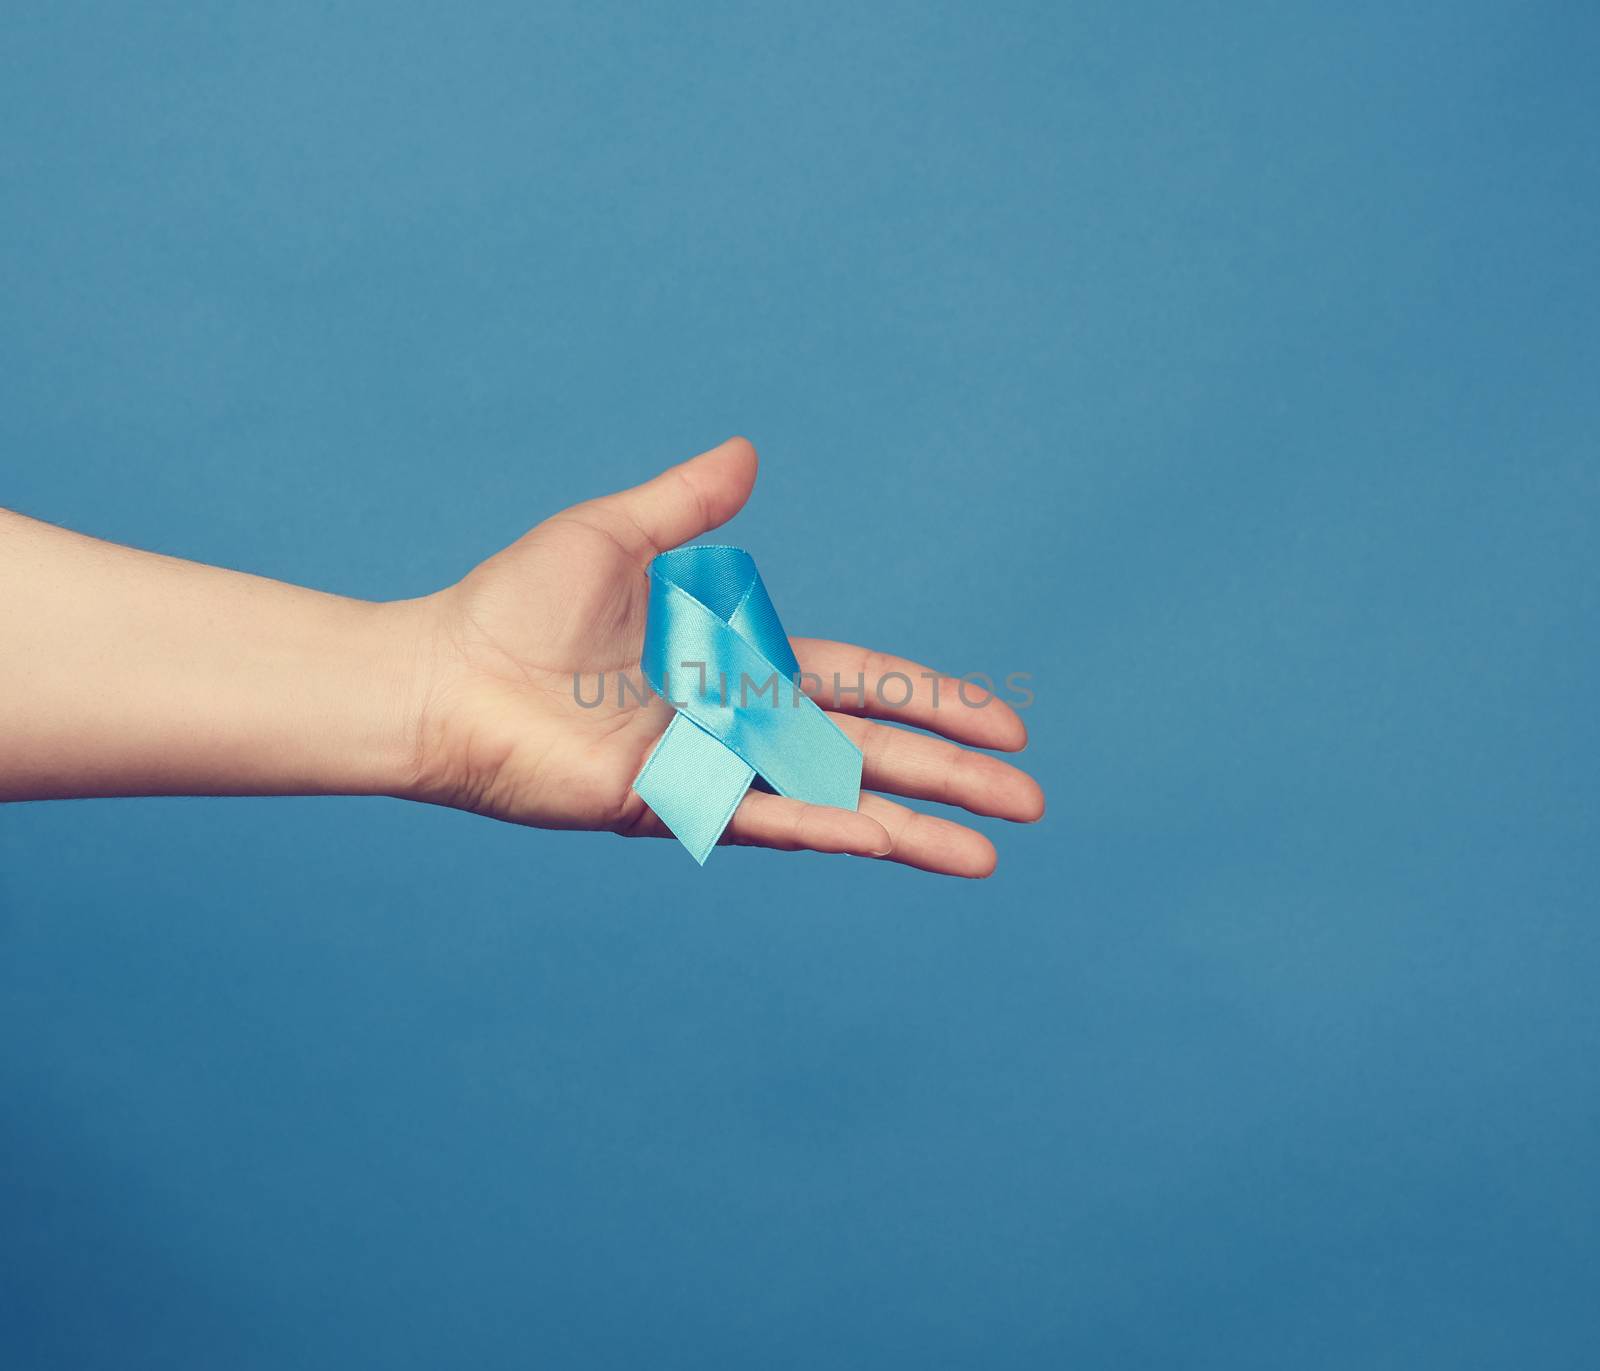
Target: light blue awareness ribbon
715,650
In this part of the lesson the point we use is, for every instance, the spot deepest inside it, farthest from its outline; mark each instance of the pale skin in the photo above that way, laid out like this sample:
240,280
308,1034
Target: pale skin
129,673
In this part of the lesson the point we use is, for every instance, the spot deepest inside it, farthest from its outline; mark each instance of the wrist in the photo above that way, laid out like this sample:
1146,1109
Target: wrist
391,665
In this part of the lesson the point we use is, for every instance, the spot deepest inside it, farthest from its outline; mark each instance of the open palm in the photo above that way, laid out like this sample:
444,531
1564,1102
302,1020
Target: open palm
503,731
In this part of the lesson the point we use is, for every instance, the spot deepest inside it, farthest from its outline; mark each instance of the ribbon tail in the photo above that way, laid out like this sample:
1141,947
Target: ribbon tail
693,783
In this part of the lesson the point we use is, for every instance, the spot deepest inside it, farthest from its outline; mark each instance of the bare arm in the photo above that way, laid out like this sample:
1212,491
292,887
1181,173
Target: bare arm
129,673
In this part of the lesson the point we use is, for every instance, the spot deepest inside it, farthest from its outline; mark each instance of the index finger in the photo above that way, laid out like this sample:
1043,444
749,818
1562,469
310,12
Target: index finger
857,680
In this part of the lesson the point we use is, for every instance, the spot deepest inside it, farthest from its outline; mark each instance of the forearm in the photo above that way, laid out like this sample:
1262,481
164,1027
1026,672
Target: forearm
128,673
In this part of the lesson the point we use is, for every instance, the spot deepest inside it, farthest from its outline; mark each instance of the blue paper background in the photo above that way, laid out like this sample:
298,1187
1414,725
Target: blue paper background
1229,367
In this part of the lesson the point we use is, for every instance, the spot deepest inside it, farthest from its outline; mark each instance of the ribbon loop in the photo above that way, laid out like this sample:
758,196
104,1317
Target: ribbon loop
715,650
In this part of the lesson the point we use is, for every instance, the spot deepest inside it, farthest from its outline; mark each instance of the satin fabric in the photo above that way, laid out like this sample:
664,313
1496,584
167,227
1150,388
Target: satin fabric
715,650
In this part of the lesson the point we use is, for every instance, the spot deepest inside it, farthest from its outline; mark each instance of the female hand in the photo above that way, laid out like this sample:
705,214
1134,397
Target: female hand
501,729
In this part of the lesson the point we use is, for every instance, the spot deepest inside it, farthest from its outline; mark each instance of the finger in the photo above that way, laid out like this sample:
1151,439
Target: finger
924,768
764,820
929,843
856,680
681,503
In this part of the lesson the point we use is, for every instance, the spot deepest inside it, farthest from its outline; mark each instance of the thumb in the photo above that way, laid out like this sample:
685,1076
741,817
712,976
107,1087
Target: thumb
684,501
